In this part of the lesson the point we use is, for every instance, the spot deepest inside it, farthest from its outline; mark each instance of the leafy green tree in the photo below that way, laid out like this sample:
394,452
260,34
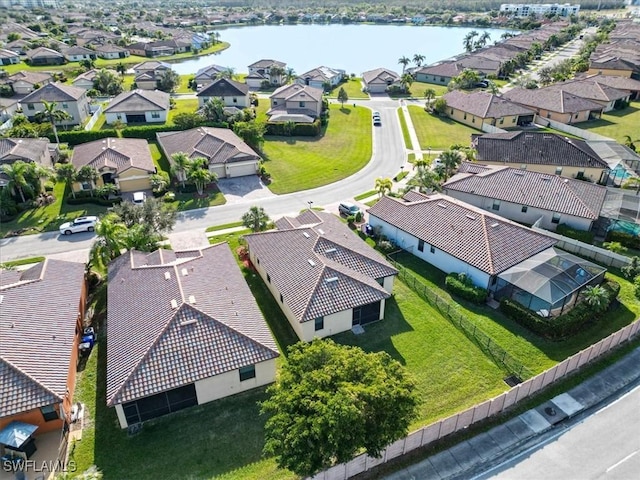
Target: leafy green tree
406,81
52,115
110,239
87,64
187,120
168,81
67,173
198,173
155,216
159,181
440,106
106,190
343,97
256,219
180,162
467,79
17,173
13,36
383,185
87,174
451,159
289,127
121,68
251,132
228,73
213,110
615,247
332,401
107,82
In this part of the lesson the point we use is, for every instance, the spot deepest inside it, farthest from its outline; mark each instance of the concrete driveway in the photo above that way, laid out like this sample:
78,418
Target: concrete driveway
244,189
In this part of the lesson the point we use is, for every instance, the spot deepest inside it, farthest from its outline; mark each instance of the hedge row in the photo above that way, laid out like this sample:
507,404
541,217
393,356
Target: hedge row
148,132
300,129
559,328
580,235
472,293
94,200
626,239
76,137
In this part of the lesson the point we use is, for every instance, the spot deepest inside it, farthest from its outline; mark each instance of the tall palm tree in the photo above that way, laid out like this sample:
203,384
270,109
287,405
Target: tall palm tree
52,115
429,94
383,185
67,173
111,238
404,61
256,219
291,74
468,40
406,81
229,73
629,143
275,73
179,168
482,41
418,59
450,160
17,173
199,174
425,180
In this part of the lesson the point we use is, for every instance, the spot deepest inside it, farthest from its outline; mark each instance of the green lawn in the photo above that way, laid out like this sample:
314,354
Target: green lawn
301,163
418,88
224,226
438,133
353,87
184,84
405,130
364,195
159,160
183,105
49,218
618,123
189,201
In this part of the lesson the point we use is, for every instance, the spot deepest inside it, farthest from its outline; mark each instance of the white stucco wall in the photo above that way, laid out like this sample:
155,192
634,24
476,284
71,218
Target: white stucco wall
388,283
229,383
241,101
121,418
334,323
442,260
112,117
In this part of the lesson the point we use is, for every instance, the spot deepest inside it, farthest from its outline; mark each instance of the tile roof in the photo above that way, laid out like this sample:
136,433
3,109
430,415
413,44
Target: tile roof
323,74
150,65
139,101
38,315
4,53
309,252
218,145
267,63
524,187
484,104
119,153
76,50
43,52
30,77
55,92
296,92
536,148
216,326
30,149
444,69
485,241
590,89
224,87
551,99
382,74
621,83
110,48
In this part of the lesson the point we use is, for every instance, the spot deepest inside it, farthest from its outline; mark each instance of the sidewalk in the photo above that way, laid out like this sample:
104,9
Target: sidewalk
471,457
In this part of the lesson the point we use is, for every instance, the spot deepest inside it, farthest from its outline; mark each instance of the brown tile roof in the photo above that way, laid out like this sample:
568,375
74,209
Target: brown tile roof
536,148
119,153
38,317
76,50
618,82
484,105
313,249
218,145
55,92
382,74
590,89
444,69
30,149
216,326
523,187
224,87
551,99
485,241
267,63
30,77
139,101
43,52
297,92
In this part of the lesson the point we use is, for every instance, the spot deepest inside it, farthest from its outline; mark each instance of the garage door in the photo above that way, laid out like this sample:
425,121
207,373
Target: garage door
239,170
218,169
136,118
160,404
134,185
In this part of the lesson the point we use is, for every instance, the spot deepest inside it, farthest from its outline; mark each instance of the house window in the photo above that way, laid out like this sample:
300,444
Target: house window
501,121
555,218
465,116
257,260
380,281
268,278
301,104
558,170
235,100
319,323
513,120
247,373
524,209
580,174
86,186
275,102
49,413
473,119
432,249
421,245
119,117
548,114
65,105
496,205
31,106
441,79
155,114
451,113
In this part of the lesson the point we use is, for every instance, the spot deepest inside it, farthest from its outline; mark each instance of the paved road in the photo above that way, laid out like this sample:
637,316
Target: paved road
389,155
605,445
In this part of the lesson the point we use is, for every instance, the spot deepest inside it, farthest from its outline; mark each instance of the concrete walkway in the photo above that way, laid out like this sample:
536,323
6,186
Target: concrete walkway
472,457
415,143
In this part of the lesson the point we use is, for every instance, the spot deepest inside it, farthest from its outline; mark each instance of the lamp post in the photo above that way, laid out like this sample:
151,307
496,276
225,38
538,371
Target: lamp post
309,203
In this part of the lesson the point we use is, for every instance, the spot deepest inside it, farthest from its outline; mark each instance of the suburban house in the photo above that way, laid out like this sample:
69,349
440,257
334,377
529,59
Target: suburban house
44,56
379,80
620,83
484,62
612,65
85,80
8,57
20,46
78,54
325,279
268,70
228,155
321,76
295,102
600,93
479,108
542,152
34,150
183,329
148,73
527,197
160,48
26,82
207,75
124,162
440,73
232,93
111,51
556,104
42,314
72,100
138,106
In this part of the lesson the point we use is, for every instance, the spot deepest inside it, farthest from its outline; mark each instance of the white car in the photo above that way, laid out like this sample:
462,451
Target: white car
80,224
139,198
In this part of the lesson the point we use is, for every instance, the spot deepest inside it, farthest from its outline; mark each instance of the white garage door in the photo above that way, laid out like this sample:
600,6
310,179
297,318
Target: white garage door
241,169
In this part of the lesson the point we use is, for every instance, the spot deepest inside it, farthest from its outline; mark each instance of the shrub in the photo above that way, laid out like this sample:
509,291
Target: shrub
580,235
632,270
76,137
148,132
460,284
358,217
49,186
83,197
300,129
626,239
386,246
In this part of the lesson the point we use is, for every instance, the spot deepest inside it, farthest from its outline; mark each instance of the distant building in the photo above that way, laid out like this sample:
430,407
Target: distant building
30,3
526,9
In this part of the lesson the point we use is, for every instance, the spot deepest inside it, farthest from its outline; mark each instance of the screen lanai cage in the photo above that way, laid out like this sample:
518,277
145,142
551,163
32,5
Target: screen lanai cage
549,283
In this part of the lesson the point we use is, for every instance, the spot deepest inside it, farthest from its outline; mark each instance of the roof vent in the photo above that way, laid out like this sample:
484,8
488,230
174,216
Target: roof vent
167,276
185,272
1,299
441,205
320,231
191,321
311,262
566,180
546,178
331,250
305,234
192,299
494,225
174,303
520,174
470,217
331,280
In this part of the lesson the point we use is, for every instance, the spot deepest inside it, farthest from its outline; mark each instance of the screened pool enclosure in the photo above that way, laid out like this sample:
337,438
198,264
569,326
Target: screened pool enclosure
548,283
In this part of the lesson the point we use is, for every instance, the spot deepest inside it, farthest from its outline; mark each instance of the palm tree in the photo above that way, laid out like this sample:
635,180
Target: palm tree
468,40
111,238
291,74
383,185
492,87
406,81
429,94
179,168
17,173
425,180
275,73
229,73
52,115
88,174
596,297
256,219
418,59
404,61
482,41
450,160
199,174
630,143
67,173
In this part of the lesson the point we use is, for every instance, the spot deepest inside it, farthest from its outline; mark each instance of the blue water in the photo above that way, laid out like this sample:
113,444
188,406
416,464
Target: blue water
354,48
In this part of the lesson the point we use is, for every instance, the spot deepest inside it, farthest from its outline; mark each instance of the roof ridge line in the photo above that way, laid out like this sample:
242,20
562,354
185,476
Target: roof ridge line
577,197
487,244
30,377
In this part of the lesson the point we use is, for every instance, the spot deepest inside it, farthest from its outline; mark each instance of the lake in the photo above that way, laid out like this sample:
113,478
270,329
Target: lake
354,48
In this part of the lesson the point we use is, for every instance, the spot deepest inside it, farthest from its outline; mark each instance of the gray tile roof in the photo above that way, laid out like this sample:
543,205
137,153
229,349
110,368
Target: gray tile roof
38,317
43,52
485,241
382,74
547,192
216,326
4,53
30,77
551,99
218,145
444,69
618,82
267,63
297,92
484,105
139,101
590,89
536,148
312,249
30,149
119,153
76,50
210,71
55,92
323,74
224,87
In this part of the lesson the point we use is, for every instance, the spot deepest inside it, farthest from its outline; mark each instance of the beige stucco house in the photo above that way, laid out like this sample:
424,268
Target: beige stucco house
378,80
479,108
296,102
72,100
556,104
26,81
